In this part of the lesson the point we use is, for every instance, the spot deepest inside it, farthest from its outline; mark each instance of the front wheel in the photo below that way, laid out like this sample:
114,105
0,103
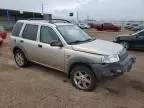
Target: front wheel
125,44
83,78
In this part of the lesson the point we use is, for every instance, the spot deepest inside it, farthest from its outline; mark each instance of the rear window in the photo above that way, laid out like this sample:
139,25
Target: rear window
30,32
17,29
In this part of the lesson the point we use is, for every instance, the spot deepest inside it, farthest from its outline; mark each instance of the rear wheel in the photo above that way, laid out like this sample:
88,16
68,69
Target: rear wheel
20,58
83,78
125,44
99,29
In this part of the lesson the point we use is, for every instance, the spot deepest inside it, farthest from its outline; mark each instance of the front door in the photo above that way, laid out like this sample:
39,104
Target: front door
51,56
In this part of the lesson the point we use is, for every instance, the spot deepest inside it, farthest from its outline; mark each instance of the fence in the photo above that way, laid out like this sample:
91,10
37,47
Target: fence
8,25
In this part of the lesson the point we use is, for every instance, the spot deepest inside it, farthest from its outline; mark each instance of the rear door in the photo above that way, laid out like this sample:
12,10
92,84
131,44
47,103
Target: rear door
28,40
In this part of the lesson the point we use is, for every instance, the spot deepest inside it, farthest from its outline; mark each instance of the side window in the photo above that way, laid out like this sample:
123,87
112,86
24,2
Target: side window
47,35
17,29
30,32
141,33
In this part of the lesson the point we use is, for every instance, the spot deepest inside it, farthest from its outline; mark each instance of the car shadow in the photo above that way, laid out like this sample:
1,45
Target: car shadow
114,87
51,72
120,86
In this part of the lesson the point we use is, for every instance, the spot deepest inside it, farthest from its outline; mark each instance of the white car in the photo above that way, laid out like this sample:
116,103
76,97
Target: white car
83,26
67,48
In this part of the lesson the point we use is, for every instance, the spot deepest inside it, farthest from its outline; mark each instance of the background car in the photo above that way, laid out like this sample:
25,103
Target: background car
131,26
108,26
126,26
92,25
138,28
135,40
3,33
83,26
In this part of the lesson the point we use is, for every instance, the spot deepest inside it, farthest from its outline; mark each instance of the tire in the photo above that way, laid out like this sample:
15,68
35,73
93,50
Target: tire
99,29
1,41
20,58
85,81
117,30
125,44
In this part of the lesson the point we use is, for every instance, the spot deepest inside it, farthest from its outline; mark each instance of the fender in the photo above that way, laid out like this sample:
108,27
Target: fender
75,60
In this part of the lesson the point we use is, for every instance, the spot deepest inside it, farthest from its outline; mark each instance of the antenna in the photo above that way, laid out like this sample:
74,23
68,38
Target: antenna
77,17
42,8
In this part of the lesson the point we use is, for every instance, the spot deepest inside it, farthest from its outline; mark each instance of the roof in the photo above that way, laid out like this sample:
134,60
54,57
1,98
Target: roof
58,24
43,22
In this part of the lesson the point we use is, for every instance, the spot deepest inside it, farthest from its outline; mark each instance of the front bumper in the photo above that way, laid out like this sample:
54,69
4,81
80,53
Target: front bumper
113,69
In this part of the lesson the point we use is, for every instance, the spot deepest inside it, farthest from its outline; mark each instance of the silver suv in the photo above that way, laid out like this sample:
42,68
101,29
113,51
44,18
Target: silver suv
65,47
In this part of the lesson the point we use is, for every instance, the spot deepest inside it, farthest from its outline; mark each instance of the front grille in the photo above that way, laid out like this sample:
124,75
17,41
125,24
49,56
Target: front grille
123,55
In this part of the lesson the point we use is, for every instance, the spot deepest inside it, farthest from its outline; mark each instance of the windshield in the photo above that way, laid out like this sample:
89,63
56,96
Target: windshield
136,33
74,35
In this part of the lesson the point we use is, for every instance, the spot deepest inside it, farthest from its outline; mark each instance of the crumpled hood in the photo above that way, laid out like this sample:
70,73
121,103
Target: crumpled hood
101,47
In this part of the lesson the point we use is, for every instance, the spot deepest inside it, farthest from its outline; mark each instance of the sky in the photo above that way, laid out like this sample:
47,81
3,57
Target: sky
93,9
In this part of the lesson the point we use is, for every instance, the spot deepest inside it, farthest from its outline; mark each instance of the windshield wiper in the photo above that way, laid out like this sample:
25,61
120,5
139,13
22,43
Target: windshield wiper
89,40
80,41
75,42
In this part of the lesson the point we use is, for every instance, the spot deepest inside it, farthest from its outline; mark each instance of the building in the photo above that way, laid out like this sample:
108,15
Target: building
9,17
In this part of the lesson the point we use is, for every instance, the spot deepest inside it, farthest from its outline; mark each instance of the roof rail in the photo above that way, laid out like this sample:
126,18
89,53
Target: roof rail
35,19
52,20
58,21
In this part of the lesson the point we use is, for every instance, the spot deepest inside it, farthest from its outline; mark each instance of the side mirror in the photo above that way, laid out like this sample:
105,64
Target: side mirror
56,43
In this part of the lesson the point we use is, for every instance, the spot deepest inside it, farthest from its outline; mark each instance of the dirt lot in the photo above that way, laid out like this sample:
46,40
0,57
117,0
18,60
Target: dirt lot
40,87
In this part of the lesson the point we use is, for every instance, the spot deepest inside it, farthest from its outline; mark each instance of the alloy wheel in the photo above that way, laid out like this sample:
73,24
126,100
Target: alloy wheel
82,80
19,58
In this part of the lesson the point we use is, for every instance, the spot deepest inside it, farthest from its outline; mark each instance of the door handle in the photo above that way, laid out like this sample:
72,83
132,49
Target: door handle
40,46
21,41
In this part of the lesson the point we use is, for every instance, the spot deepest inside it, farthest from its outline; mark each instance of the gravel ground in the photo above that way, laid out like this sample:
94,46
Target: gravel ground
40,87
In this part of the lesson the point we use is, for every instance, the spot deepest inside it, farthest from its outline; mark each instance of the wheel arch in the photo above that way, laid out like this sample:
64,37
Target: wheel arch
15,48
87,64
20,48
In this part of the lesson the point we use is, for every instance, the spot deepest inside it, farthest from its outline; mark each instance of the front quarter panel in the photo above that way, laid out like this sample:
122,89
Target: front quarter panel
73,57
